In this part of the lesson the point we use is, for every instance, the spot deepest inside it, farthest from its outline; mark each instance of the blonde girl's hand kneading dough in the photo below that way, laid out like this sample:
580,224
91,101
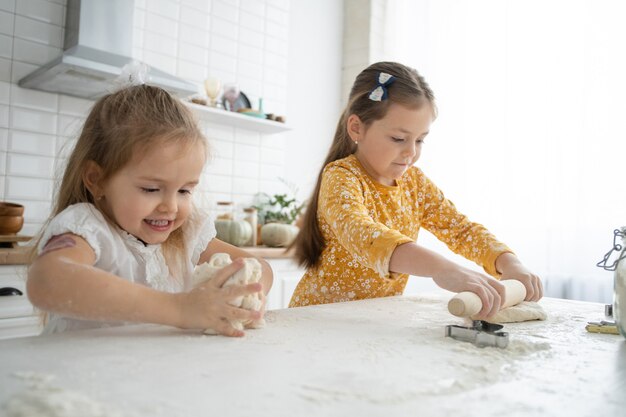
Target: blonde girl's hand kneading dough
244,298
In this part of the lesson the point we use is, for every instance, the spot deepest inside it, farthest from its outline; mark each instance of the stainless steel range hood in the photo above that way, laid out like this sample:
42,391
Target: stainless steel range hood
98,43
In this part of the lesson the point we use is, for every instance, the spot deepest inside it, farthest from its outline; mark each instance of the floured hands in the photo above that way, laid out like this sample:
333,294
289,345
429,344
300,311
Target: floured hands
207,305
489,290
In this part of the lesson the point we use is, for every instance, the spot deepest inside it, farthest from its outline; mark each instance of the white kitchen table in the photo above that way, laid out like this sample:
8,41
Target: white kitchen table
385,357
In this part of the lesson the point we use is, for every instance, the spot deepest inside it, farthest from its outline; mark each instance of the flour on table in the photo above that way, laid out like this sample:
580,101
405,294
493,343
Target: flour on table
34,377
249,274
396,374
43,399
524,311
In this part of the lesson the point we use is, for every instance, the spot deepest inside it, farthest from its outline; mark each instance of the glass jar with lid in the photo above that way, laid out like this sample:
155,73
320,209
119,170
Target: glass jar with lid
224,210
250,215
619,277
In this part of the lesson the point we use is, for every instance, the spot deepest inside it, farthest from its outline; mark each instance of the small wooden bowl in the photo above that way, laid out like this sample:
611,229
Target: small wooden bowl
11,209
10,225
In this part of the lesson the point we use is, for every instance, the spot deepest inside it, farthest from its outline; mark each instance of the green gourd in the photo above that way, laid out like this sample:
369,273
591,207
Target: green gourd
278,234
235,232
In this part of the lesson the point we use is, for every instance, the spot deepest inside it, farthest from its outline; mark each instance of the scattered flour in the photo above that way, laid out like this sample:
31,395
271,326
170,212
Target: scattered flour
464,369
44,399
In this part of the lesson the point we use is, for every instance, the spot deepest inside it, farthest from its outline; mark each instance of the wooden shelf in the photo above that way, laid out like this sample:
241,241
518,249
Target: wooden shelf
10,241
14,256
238,120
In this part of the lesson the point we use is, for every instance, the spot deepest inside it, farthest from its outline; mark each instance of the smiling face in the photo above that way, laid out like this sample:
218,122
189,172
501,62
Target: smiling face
151,196
389,146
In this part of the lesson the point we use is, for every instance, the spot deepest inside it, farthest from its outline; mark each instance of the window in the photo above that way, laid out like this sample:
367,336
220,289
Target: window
531,138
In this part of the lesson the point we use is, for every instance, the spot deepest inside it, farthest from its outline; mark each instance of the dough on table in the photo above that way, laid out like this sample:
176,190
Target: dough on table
248,274
524,311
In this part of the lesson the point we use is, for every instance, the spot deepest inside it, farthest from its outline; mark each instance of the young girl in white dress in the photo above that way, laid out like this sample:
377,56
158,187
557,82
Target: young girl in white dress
124,236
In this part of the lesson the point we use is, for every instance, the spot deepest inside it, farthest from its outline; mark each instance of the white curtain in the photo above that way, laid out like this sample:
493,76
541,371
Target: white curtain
531,134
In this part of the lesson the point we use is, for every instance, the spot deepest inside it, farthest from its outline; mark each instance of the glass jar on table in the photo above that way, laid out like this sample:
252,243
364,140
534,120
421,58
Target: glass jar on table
619,277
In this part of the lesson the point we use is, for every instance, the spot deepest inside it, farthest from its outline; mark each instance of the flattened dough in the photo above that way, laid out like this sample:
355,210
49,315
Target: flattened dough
524,311
249,274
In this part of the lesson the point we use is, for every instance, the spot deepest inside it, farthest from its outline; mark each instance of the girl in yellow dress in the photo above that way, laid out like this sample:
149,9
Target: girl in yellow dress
358,238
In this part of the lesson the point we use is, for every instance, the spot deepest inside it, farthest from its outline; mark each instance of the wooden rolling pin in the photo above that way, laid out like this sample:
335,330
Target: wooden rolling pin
468,304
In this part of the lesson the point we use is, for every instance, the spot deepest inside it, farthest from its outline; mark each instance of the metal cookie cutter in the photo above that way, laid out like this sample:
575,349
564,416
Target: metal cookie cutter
480,333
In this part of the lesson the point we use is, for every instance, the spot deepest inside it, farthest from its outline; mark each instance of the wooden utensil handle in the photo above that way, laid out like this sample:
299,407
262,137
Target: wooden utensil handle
467,304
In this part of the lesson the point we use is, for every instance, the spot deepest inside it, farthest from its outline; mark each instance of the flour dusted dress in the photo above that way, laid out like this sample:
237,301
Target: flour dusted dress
363,221
122,254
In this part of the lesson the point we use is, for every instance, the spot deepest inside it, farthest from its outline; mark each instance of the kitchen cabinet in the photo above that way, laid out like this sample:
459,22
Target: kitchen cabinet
379,357
286,276
17,315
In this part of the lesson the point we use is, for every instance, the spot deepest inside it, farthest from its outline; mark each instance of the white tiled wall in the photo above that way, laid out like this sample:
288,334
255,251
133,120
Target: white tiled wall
241,41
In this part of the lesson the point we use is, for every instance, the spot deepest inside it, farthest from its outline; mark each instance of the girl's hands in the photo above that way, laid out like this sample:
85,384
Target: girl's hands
207,306
511,268
458,279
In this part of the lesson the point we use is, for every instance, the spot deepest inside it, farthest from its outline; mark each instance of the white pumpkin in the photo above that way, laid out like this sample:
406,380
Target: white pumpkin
235,232
278,234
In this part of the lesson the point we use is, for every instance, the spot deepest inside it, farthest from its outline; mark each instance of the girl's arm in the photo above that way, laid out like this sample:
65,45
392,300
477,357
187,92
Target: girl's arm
387,250
413,259
218,246
461,235
64,281
474,242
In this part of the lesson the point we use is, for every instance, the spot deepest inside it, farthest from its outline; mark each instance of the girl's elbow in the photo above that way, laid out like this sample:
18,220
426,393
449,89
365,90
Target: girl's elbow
36,284
34,292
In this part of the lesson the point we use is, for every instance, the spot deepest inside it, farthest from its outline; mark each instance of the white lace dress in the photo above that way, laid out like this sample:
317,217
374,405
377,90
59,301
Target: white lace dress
122,254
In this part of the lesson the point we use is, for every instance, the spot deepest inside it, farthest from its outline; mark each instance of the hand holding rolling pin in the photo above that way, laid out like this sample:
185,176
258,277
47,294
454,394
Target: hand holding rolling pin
519,284
468,304
489,292
411,258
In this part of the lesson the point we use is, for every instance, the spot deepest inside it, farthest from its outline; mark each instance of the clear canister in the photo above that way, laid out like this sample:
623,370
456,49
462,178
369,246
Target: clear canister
619,289
619,277
224,210
250,215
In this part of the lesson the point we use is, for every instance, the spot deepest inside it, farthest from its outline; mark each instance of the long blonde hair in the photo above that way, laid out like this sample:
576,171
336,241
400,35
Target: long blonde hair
120,124
409,89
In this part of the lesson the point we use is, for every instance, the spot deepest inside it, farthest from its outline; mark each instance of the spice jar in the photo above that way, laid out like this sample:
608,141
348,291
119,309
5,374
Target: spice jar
619,278
250,215
225,210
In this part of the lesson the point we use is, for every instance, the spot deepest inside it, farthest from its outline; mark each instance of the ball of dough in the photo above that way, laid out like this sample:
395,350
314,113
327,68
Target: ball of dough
248,274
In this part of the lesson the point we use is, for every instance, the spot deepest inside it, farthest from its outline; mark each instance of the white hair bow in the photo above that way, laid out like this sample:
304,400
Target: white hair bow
380,92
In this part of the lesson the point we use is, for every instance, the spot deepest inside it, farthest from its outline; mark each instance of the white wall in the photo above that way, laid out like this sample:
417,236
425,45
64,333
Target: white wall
529,137
274,49
315,60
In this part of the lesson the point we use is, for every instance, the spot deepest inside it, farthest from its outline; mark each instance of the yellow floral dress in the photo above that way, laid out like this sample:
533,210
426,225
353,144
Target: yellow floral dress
363,221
